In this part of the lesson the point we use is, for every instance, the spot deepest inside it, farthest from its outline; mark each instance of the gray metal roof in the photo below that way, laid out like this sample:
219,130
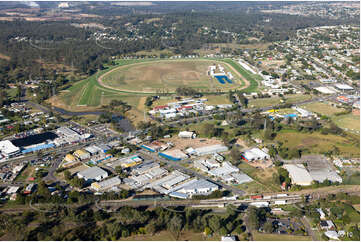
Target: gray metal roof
92,172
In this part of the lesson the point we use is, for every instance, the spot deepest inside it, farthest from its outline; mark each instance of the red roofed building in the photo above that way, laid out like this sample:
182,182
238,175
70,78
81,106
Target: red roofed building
342,99
160,107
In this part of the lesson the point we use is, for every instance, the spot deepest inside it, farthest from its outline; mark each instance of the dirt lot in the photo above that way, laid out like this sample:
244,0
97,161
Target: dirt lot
264,164
180,143
78,168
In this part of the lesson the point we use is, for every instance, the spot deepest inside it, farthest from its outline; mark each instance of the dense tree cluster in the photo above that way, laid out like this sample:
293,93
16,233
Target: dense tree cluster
83,223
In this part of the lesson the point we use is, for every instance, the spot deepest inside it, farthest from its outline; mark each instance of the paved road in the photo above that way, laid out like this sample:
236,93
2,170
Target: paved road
309,229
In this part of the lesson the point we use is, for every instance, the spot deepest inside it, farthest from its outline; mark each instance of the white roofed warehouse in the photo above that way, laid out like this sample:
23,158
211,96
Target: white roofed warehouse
93,173
198,187
299,175
255,154
211,149
8,149
187,134
106,184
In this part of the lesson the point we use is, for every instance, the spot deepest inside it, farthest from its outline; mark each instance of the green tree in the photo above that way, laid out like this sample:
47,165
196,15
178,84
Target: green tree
214,223
175,226
151,228
268,227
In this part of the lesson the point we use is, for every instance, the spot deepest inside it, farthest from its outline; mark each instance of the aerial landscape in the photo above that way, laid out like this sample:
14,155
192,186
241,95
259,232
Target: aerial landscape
176,120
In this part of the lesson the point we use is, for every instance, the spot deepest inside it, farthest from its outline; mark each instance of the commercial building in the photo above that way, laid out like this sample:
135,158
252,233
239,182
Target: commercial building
93,150
100,158
210,149
93,173
156,172
12,189
197,187
29,188
259,204
126,162
8,149
187,134
37,147
106,184
343,87
325,90
255,154
321,175
82,154
303,113
332,235
18,168
69,160
199,165
240,178
144,168
322,214
225,169
67,135
174,154
299,175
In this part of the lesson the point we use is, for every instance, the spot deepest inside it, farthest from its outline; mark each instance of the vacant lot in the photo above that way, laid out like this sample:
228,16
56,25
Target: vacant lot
261,177
265,102
322,108
348,121
318,143
166,75
183,143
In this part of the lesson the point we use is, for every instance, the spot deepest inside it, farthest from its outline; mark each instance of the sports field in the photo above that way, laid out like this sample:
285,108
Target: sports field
133,80
167,75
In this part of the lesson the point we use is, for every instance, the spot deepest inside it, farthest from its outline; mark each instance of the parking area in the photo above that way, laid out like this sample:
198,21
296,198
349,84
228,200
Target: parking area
103,129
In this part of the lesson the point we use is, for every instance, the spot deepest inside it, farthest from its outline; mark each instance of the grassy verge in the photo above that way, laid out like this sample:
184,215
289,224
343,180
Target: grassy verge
279,237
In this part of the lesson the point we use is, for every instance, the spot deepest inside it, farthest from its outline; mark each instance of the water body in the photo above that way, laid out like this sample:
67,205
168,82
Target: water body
34,139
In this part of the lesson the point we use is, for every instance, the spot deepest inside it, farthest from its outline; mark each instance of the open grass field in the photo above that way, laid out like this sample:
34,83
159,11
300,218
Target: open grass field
279,237
167,75
318,143
263,181
348,121
264,102
323,108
